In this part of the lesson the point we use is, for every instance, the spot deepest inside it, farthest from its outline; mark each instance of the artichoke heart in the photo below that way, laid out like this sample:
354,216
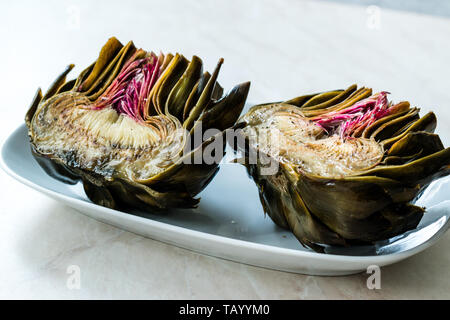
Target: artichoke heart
342,167
125,127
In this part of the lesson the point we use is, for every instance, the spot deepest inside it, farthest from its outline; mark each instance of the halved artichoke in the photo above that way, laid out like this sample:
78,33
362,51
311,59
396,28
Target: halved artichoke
125,127
348,164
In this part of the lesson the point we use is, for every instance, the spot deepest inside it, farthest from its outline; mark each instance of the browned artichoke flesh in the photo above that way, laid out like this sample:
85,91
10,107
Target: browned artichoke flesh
350,164
124,127
103,141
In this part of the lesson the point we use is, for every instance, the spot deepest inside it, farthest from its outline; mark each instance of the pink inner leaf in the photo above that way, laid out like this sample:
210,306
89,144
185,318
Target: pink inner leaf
129,92
356,117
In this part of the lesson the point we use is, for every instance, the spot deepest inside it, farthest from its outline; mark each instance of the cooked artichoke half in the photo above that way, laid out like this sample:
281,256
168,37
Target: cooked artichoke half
349,164
125,126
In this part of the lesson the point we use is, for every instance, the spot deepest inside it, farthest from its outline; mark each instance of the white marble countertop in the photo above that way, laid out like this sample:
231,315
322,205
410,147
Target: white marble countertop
285,48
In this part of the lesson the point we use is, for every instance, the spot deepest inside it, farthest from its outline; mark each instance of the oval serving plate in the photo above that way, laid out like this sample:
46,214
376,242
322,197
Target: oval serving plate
230,224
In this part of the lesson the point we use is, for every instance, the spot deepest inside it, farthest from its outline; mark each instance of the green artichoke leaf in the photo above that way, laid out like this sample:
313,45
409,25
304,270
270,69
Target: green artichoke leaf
126,193
60,80
224,113
351,100
351,165
357,215
365,195
166,68
426,123
333,101
401,109
416,170
33,106
183,88
398,160
99,195
216,94
321,98
54,167
300,101
67,86
107,75
177,67
107,54
195,94
190,173
120,127
83,75
422,142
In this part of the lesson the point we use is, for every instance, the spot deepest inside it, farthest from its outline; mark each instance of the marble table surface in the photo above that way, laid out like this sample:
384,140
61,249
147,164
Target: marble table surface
285,48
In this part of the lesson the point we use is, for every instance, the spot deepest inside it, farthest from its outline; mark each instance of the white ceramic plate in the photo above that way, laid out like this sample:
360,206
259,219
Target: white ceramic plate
230,223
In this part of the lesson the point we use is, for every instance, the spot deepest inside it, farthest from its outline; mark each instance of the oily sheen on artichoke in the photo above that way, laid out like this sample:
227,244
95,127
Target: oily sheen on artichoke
124,127
350,165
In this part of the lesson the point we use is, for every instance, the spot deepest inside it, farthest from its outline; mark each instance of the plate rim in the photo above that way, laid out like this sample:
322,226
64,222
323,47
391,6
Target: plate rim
380,260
